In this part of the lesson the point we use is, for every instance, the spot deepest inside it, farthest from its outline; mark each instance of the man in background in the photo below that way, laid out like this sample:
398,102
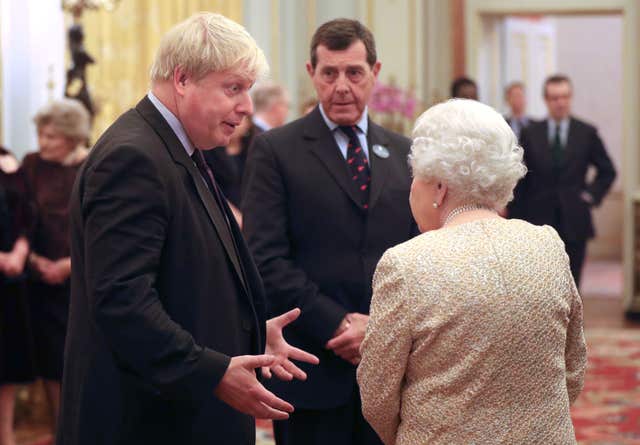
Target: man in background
558,152
271,103
516,99
326,195
464,88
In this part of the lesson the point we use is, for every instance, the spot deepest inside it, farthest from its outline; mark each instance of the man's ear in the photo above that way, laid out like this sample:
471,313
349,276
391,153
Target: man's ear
376,69
180,79
310,69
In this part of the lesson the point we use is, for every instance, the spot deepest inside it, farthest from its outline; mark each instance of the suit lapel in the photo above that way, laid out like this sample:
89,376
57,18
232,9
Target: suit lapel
379,166
541,143
323,145
570,145
149,112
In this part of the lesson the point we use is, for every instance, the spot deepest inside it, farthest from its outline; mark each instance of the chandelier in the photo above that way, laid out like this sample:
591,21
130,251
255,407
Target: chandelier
76,7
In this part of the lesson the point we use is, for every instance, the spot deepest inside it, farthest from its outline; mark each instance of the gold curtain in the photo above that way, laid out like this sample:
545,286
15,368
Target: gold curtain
123,43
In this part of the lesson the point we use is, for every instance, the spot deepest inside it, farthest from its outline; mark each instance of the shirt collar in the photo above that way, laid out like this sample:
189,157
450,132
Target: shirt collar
563,123
362,124
173,122
257,120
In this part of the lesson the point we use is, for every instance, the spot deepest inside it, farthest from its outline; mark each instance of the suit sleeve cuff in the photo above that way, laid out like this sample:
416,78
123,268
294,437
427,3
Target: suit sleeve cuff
207,374
322,320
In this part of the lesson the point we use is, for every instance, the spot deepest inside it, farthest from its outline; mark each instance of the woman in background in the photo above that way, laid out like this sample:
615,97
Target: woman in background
63,129
16,348
475,331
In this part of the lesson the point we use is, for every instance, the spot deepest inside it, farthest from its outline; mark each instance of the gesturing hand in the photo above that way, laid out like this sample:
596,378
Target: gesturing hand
347,343
283,367
240,389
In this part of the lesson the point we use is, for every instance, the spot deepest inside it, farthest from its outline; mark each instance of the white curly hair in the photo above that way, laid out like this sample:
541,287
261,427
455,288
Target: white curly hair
471,148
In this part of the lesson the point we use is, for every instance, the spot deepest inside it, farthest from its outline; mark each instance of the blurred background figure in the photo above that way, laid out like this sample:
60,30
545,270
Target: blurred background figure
475,329
558,152
307,106
464,88
228,163
516,99
63,129
16,361
270,105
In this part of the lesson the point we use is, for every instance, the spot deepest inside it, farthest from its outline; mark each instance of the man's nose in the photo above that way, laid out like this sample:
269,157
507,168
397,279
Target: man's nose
342,83
246,104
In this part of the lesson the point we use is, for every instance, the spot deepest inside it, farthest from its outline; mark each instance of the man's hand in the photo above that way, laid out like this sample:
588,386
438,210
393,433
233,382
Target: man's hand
240,389
283,367
54,272
11,264
346,344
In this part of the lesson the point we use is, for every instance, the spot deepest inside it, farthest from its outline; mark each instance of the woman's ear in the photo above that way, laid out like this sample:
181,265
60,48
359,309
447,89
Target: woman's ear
441,193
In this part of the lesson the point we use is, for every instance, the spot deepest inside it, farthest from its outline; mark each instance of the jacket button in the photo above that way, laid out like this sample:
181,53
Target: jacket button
247,325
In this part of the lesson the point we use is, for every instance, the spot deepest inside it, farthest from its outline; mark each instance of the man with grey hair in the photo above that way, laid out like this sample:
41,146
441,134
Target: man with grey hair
167,318
271,103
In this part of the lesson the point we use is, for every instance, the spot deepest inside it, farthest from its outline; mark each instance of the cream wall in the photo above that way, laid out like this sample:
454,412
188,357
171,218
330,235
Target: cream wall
600,103
32,43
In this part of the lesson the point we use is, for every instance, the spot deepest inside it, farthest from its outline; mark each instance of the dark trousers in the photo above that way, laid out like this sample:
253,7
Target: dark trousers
576,251
343,425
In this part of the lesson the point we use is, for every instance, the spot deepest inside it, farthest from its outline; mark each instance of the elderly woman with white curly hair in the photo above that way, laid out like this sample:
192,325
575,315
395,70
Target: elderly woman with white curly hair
475,332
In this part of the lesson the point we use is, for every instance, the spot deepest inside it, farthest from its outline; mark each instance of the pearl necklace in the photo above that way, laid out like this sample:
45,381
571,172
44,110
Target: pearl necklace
465,208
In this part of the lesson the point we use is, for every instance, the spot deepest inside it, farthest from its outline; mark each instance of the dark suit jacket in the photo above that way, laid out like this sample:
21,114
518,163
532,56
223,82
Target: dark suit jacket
315,247
229,170
544,195
160,297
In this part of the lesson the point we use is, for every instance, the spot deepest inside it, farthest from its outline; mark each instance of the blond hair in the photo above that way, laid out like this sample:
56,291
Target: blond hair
68,116
208,42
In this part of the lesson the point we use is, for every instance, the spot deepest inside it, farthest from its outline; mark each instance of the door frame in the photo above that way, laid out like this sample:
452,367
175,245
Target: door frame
628,10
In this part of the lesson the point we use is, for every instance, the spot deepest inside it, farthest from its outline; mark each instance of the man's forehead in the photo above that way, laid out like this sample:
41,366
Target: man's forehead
354,55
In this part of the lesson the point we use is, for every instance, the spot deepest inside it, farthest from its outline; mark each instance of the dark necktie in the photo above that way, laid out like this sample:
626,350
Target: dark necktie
358,165
557,151
207,175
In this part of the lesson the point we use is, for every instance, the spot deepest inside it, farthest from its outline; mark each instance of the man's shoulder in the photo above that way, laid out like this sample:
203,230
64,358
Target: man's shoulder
582,125
391,134
291,136
129,135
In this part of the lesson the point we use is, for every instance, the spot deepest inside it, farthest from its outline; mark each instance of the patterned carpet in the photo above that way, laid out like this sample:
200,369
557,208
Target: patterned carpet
608,410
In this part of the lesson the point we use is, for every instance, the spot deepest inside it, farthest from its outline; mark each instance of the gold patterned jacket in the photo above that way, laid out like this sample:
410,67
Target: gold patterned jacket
475,337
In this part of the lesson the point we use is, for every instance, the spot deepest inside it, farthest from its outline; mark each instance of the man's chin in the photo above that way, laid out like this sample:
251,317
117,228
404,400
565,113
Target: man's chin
350,118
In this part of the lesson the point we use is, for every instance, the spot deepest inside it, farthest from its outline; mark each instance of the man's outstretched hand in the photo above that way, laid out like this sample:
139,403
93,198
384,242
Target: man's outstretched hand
240,389
283,367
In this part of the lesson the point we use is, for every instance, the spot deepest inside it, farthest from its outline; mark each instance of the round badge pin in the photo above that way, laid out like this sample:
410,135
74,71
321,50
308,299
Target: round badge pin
381,151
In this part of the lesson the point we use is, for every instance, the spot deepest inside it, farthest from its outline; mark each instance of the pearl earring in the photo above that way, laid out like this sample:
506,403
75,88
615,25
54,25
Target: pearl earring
435,205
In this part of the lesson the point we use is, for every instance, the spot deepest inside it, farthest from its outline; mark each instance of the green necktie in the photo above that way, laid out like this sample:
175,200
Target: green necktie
557,151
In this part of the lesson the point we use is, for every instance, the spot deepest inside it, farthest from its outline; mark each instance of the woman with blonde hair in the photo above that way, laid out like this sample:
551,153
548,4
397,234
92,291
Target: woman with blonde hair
63,130
475,332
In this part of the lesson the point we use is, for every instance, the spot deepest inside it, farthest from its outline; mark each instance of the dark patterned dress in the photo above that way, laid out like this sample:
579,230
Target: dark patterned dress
50,185
16,345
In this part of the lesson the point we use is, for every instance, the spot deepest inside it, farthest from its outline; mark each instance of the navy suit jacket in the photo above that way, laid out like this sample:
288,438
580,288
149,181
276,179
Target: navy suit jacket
315,247
546,194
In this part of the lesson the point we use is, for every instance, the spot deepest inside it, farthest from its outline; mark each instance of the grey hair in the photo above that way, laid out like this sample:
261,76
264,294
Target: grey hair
470,147
265,94
208,42
68,116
